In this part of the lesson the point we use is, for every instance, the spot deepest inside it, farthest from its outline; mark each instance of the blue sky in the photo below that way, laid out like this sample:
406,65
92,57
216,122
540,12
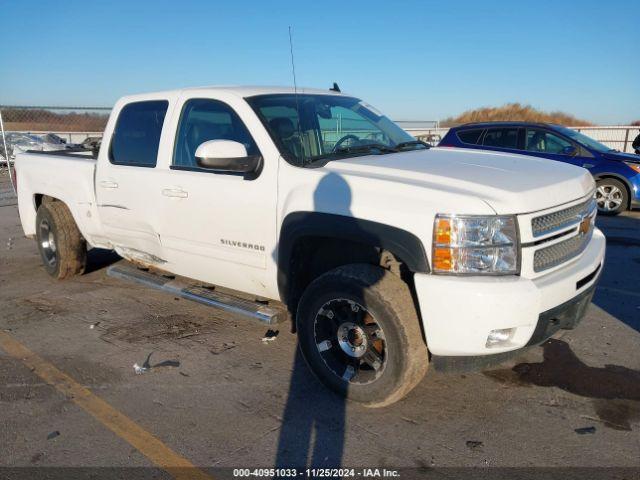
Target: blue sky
413,60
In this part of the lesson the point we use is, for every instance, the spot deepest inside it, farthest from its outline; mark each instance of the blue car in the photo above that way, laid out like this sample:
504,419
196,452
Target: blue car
617,174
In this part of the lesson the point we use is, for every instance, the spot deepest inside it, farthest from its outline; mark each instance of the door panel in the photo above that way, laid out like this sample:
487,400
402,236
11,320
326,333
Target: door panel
503,139
543,143
217,227
126,175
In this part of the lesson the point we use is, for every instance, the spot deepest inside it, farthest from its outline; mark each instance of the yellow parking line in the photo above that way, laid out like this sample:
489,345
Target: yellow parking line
151,447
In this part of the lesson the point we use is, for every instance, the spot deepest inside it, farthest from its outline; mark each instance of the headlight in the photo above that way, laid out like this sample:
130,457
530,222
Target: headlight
634,166
465,244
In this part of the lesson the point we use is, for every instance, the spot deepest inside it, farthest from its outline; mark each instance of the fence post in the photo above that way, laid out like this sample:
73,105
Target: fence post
6,153
626,140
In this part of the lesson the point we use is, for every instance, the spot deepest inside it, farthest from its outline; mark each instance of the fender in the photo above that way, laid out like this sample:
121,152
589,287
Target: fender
404,245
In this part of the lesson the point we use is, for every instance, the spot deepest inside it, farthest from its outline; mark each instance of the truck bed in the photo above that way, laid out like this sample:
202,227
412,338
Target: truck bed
67,176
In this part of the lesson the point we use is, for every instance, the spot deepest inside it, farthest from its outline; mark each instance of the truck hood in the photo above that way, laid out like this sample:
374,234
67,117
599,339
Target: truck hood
509,183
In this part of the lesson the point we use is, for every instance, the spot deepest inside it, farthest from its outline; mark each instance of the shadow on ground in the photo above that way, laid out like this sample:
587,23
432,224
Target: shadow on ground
614,388
313,426
99,258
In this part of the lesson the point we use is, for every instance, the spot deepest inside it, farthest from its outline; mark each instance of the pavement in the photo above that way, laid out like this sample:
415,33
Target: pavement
216,397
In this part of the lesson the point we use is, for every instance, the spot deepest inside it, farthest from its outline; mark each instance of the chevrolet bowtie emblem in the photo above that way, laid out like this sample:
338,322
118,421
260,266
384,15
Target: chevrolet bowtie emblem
585,226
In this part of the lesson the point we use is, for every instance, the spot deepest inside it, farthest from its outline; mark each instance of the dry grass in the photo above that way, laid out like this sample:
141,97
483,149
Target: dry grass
513,112
37,120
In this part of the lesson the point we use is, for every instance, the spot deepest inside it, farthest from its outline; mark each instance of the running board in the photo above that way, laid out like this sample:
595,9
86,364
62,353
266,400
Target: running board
206,296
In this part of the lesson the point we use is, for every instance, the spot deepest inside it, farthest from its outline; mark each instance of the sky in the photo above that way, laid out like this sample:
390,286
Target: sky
414,60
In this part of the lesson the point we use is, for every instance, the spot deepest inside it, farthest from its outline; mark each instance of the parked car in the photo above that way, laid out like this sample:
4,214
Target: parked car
54,139
91,143
617,174
432,139
388,254
22,142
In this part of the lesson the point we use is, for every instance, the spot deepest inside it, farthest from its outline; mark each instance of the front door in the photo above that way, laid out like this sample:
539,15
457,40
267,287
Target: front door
543,143
218,227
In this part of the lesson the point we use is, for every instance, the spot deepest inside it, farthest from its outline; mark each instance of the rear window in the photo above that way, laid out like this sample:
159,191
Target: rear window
501,137
469,136
137,134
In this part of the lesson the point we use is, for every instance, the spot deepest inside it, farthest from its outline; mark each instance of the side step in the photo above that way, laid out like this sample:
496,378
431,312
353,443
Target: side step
206,296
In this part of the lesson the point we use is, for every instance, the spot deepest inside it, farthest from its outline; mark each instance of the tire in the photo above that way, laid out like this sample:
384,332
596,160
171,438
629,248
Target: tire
62,248
368,311
612,196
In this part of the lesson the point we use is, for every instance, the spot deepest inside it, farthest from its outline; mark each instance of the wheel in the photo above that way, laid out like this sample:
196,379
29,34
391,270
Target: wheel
611,196
61,246
359,332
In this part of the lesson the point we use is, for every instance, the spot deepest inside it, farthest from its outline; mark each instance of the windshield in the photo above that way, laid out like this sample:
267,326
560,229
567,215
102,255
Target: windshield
311,128
585,141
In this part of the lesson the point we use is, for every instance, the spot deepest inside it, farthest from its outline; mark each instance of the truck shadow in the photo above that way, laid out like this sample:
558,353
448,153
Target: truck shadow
99,258
615,389
618,291
313,421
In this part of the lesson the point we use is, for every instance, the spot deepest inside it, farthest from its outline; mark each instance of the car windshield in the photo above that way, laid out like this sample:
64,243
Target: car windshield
313,128
585,141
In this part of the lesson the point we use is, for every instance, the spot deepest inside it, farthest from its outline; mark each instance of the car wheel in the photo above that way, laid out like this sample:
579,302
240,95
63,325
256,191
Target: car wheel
359,333
61,246
611,196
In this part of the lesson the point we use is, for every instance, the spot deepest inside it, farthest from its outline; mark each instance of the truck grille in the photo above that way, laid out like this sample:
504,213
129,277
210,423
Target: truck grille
563,218
561,252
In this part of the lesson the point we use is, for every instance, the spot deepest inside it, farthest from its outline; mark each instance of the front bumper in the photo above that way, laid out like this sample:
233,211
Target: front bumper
563,317
458,313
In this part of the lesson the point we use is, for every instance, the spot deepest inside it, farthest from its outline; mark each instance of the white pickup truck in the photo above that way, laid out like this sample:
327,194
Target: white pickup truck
311,205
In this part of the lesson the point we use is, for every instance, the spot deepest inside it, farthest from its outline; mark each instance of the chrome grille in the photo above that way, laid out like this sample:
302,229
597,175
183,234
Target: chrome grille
563,218
561,252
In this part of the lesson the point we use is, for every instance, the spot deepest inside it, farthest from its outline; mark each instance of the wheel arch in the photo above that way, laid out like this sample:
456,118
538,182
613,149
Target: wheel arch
332,240
40,199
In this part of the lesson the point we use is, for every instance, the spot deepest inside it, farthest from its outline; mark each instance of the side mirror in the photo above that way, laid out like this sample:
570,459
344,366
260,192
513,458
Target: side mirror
569,150
226,156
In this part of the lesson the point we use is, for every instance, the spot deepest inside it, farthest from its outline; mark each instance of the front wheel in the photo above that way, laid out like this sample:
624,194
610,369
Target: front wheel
611,196
359,332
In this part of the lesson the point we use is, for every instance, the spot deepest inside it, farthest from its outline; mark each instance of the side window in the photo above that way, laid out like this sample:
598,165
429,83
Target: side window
501,137
137,134
545,142
469,136
204,119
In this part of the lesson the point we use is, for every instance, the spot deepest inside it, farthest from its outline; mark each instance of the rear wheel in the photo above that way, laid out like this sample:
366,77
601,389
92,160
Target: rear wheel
611,196
61,246
360,335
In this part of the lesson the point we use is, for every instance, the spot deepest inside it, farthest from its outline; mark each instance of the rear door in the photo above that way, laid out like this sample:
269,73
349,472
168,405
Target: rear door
126,179
507,139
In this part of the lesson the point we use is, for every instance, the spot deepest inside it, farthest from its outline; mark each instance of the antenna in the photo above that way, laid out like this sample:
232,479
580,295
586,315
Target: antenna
295,92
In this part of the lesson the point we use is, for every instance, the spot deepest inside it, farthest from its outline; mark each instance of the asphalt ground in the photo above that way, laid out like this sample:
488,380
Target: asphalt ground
216,397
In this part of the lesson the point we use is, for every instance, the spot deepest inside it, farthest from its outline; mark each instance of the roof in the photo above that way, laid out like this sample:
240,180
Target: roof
237,90
249,90
507,123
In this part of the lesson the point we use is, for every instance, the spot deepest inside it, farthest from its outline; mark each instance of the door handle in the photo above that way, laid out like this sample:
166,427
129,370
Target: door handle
108,184
175,192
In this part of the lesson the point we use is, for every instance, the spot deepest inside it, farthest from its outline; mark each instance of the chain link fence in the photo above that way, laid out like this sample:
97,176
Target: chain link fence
50,128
